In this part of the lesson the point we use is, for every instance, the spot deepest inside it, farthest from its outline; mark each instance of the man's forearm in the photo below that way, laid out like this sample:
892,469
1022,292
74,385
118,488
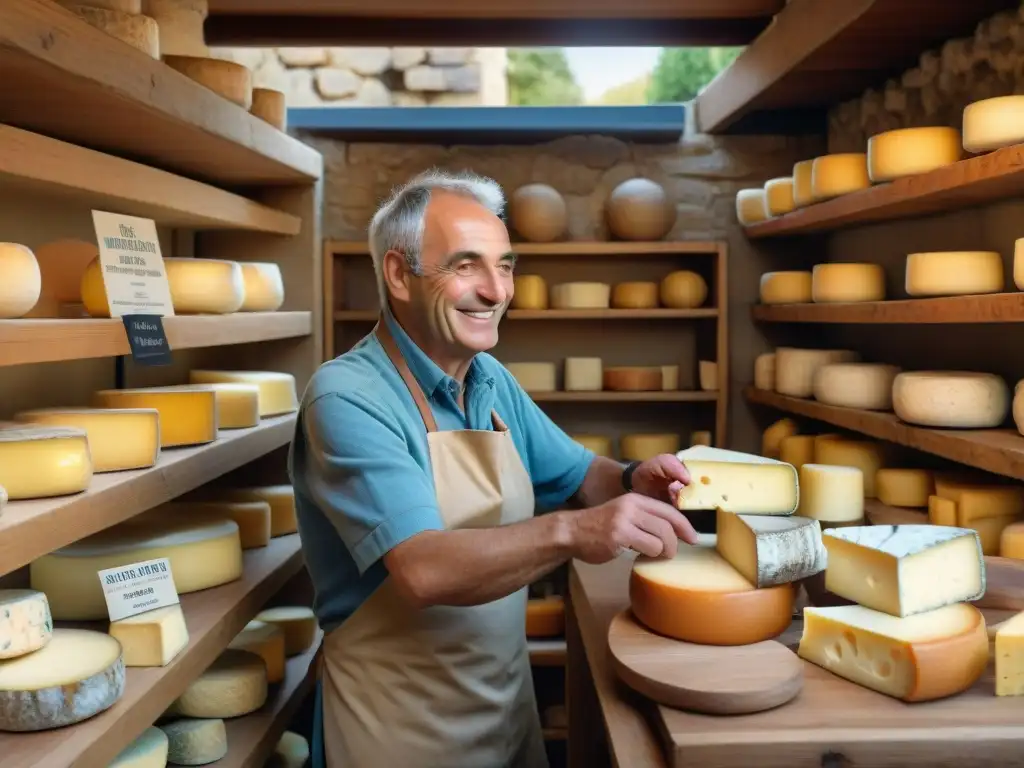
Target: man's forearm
602,483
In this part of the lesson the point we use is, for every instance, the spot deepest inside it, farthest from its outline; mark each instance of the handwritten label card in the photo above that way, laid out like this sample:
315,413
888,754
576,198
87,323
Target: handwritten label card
138,587
132,266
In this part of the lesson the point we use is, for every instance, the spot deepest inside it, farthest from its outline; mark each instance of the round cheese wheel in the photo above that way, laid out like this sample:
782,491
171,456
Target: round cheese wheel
181,26
785,287
20,280
581,296
833,283
538,213
632,378
670,377
778,195
831,494
641,447
599,444
1018,264
797,450
771,440
529,292
867,386
225,78
1018,406
639,209
951,399
270,106
61,265
751,206
904,487
764,372
993,123
635,295
802,183
795,368
545,616
954,273
683,289
138,31
840,174
1011,541
264,287
865,455
910,151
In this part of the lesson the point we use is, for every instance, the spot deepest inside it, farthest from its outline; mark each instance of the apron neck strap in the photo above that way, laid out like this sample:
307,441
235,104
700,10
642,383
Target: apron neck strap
387,340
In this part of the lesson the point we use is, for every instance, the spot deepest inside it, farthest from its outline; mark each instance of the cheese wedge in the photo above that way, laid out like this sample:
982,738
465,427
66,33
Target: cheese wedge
1009,656
153,638
769,550
737,482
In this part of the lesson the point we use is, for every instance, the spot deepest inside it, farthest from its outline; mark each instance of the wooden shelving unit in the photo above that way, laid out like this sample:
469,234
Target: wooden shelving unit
991,308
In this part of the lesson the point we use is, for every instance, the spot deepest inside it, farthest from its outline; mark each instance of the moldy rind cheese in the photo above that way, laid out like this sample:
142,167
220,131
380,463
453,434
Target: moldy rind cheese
911,151
951,399
635,295
25,622
954,273
41,462
835,283
196,741
149,750
119,439
768,550
791,287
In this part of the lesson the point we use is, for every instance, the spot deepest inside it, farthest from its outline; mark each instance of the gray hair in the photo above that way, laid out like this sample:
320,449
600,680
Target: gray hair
398,223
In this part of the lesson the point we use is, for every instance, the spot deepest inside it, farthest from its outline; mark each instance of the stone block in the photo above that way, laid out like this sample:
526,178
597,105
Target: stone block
300,91
362,61
302,57
425,78
373,93
454,100
403,58
407,99
337,83
253,58
464,79
445,57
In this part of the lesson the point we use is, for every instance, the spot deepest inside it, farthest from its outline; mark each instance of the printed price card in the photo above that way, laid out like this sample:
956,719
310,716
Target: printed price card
138,587
133,268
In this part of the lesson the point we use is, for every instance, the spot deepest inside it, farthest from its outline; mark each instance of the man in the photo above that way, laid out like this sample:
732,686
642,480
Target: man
417,463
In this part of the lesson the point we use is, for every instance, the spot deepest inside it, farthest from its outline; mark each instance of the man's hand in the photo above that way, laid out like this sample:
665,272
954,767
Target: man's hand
632,521
661,478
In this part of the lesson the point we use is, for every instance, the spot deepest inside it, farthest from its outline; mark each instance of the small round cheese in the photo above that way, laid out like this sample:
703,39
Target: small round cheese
228,79
867,386
234,685
951,399
632,378
530,292
298,623
833,283
1018,264
797,450
1018,406
21,282
954,273
795,368
764,372
778,195
264,287
270,106
904,487
635,295
683,289
865,455
993,123
786,287
639,209
751,206
538,213
802,183
840,174
831,494
771,440
910,151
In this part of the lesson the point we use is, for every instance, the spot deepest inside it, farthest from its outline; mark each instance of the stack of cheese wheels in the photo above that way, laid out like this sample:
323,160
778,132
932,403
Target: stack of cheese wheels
989,508
195,741
795,368
122,19
951,399
954,273
736,587
771,440
896,638
538,213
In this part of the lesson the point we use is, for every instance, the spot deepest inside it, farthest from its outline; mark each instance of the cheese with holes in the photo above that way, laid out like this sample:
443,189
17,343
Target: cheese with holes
951,399
534,377
270,106
837,283
771,440
292,751
529,292
181,26
40,462
298,624
778,196
153,638
229,79
867,386
903,570
187,416
1011,541
802,183
700,437
797,450
277,390
1009,657
785,287
993,123
831,495
954,273
708,375
941,511
911,151
838,174
264,287
267,642
238,405
581,296
149,750
751,206
632,378
203,553
683,289
583,374
737,482
234,685
252,517
25,622
865,455
136,30
697,596
599,444
281,499
635,295
670,377
764,372
77,674
917,658
545,616
640,447
195,741
20,280
119,439
904,487
770,550
795,368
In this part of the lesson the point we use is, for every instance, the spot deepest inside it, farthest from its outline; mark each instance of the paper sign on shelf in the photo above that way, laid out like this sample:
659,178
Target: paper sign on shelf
138,587
132,266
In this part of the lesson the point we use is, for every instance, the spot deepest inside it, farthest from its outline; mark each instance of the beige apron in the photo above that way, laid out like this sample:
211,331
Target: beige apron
444,687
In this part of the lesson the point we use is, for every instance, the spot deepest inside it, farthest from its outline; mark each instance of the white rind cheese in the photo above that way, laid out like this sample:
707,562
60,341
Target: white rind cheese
149,750
195,742
867,386
764,372
951,399
264,287
795,368
769,550
25,622
737,482
292,751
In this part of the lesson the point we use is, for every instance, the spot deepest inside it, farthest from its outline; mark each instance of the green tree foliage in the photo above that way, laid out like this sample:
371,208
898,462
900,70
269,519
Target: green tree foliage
540,77
681,72
632,93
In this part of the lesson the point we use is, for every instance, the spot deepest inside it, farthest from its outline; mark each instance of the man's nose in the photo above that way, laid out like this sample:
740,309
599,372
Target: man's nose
491,288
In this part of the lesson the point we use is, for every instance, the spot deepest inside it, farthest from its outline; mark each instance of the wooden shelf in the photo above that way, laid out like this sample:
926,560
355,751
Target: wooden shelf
43,341
1000,451
30,529
547,653
990,308
251,739
214,617
671,396
61,77
596,248
369,316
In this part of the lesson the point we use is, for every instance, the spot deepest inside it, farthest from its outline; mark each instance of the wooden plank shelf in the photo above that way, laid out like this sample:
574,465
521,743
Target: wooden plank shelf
573,248
971,182
44,340
213,616
1000,451
670,396
61,77
989,308
251,739
369,316
32,528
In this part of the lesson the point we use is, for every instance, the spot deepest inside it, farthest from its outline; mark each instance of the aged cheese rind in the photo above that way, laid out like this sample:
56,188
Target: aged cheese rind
181,25
20,280
632,378
581,296
770,550
993,123
545,616
751,206
25,622
298,624
737,482
778,195
534,377
867,386
583,374
529,292
196,741
41,462
1011,541
234,685
253,517
838,174
797,450
270,106
153,638
911,151
149,750
904,570
277,390
119,438
951,399
187,416
136,30
229,79
599,444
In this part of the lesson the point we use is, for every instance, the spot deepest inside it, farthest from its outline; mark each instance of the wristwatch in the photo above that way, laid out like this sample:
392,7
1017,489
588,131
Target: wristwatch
627,475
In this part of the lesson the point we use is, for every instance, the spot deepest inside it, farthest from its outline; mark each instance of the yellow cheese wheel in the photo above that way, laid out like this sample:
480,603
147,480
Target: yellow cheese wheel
683,289
632,378
635,295
831,493
993,123
534,377
904,487
181,26
1011,541
833,283
670,377
545,616
802,183
764,372
640,447
797,450
865,455
639,209
61,266
581,296
136,30
700,437
786,287
954,273
910,151
778,195
20,280
264,287
599,444
1018,264
951,399
530,292
839,174
538,213
751,206
225,78
771,440
270,106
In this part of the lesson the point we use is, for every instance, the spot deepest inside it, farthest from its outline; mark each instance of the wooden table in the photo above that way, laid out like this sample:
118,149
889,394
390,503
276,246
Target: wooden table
832,724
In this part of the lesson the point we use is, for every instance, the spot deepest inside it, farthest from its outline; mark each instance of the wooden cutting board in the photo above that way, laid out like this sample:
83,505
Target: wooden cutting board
712,679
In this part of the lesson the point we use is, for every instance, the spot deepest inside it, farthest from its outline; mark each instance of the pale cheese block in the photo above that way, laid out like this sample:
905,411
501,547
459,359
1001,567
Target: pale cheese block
865,455
802,183
238,405
298,624
195,741
791,287
635,295
751,206
264,287
1011,541
797,450
990,124
601,445
632,378
951,399
61,265
25,622
670,377
795,368
229,79
534,377
977,501
917,658
764,372
234,685
683,289
867,386
187,416
136,30
252,517
277,390
708,375
737,482
700,437
20,281
203,553
41,462
270,106
581,296
831,495
153,638
911,151
268,642
149,750
904,487
1017,406
281,499
941,511
1018,264
771,439
292,751
904,570
529,292
696,597
842,283
119,439
641,447
778,196
1009,657
838,174
545,616
76,675
181,26
768,550
583,374
954,273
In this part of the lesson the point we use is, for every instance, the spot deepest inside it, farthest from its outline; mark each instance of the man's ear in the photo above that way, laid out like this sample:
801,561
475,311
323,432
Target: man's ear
396,275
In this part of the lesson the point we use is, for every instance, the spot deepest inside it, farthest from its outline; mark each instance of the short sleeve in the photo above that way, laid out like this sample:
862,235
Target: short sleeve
360,473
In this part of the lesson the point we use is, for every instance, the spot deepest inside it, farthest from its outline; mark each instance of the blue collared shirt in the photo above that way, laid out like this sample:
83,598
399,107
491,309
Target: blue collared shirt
360,466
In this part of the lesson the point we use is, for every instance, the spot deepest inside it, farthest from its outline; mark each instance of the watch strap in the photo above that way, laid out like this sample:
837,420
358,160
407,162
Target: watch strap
627,475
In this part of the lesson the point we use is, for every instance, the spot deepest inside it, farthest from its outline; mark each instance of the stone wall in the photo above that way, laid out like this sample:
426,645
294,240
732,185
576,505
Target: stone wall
989,63
378,77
